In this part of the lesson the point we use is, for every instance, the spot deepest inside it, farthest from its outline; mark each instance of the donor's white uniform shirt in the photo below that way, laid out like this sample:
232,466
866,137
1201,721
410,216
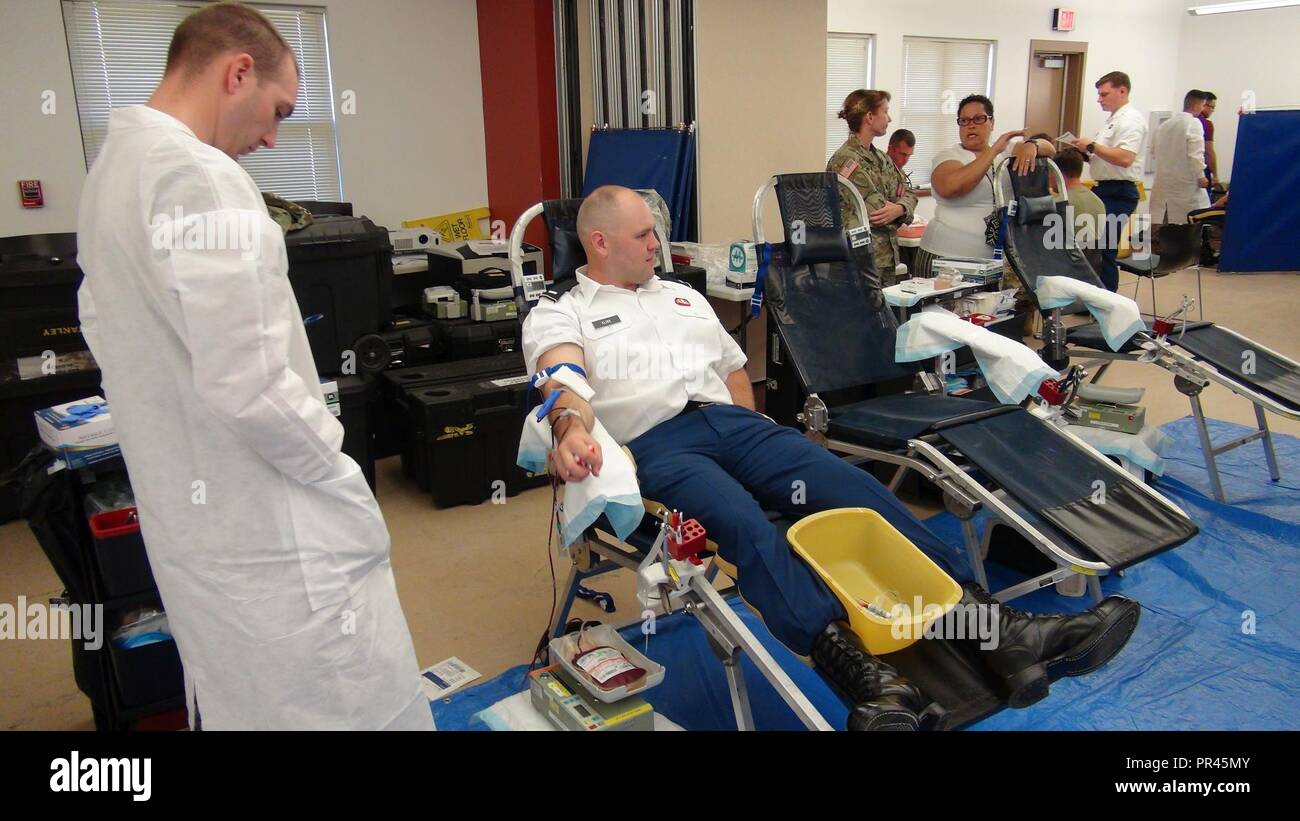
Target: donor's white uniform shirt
648,352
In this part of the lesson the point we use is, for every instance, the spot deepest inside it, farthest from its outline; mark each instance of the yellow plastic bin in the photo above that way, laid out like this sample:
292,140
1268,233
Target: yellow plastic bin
889,588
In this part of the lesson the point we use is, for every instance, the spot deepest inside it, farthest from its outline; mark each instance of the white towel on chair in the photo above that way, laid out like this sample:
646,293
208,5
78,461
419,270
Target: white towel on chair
1145,449
1117,315
1012,370
614,492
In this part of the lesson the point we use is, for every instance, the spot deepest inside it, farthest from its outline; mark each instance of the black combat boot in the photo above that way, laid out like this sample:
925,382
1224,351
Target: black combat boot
1034,650
883,699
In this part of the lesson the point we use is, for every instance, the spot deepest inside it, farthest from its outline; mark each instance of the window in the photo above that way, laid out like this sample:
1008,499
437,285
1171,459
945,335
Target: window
936,75
848,67
118,49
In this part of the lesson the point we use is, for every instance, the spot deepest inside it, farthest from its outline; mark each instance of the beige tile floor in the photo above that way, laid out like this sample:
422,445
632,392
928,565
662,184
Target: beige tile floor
475,581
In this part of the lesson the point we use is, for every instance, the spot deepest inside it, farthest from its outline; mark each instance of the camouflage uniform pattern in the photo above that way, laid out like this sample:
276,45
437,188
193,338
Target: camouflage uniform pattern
880,182
290,216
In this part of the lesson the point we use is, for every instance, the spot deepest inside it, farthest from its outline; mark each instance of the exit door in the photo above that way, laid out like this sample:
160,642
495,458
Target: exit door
1055,90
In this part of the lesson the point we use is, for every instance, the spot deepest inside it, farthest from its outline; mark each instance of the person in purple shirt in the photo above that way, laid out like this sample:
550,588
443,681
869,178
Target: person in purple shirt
1211,163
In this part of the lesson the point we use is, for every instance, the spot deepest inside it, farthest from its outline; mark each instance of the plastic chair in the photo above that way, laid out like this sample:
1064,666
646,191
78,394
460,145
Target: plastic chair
1173,248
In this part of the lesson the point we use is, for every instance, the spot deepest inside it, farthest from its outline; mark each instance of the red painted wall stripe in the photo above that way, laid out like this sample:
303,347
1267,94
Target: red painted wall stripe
517,60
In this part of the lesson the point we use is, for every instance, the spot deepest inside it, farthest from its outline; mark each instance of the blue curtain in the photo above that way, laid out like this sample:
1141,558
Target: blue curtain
658,158
1263,220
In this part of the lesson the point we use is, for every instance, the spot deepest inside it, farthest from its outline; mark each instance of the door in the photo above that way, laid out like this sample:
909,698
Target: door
1054,91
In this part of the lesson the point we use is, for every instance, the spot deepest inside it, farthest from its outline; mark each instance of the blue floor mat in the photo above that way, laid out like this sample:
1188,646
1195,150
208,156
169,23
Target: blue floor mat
694,691
1218,645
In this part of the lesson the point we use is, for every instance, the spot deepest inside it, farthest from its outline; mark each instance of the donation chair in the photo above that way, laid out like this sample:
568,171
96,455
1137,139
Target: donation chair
1078,509
1197,354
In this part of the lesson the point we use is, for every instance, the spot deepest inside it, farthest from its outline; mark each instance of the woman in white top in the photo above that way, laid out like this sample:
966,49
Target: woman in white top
961,181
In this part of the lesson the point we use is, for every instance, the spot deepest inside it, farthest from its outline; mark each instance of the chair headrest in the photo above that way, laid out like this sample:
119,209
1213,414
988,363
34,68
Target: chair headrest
1032,210
561,217
1033,184
817,245
810,216
567,255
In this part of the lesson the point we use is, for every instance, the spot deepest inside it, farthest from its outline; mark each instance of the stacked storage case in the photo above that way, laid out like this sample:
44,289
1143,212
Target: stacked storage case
466,339
360,415
146,679
459,425
84,522
341,270
119,553
43,356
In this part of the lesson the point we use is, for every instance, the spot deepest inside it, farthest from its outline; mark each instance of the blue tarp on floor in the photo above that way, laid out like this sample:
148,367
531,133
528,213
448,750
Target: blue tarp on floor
1218,646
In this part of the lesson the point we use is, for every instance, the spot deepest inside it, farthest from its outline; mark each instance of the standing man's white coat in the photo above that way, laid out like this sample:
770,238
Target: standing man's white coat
268,548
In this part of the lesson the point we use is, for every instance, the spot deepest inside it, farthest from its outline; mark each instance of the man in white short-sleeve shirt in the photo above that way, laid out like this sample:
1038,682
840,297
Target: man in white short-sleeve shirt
669,384
1115,162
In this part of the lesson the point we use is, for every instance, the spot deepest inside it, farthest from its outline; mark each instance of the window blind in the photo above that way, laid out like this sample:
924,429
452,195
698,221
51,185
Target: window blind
118,50
848,67
937,74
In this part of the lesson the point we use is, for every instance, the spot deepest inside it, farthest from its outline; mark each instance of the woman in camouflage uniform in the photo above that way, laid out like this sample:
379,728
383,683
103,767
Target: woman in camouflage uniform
890,203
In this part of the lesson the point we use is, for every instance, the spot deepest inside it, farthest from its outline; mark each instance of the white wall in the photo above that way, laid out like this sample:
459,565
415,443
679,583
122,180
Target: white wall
760,82
414,148
1139,37
34,145
1240,56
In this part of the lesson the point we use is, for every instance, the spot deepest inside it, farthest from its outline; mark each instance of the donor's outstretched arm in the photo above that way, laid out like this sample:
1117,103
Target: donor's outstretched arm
576,454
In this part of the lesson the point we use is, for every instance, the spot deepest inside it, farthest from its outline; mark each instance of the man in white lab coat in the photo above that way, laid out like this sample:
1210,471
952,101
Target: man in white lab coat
269,551
1179,155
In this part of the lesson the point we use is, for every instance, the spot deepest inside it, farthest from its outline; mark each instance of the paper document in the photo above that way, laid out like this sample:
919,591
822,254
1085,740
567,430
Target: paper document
446,677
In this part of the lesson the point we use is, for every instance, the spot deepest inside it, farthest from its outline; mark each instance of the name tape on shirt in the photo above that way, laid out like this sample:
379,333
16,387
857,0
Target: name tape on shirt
597,324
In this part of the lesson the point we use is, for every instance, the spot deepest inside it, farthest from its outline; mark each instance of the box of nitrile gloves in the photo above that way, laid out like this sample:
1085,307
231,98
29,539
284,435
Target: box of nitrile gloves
81,431
742,264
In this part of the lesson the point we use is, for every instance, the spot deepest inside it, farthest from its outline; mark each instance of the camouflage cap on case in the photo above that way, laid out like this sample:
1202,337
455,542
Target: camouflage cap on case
290,216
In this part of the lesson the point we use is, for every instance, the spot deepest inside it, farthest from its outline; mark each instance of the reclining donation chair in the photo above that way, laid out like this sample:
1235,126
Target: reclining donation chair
1076,507
1196,353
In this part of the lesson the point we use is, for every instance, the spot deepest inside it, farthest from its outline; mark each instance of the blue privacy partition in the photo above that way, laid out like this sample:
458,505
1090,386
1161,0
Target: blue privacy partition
658,158
1263,218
